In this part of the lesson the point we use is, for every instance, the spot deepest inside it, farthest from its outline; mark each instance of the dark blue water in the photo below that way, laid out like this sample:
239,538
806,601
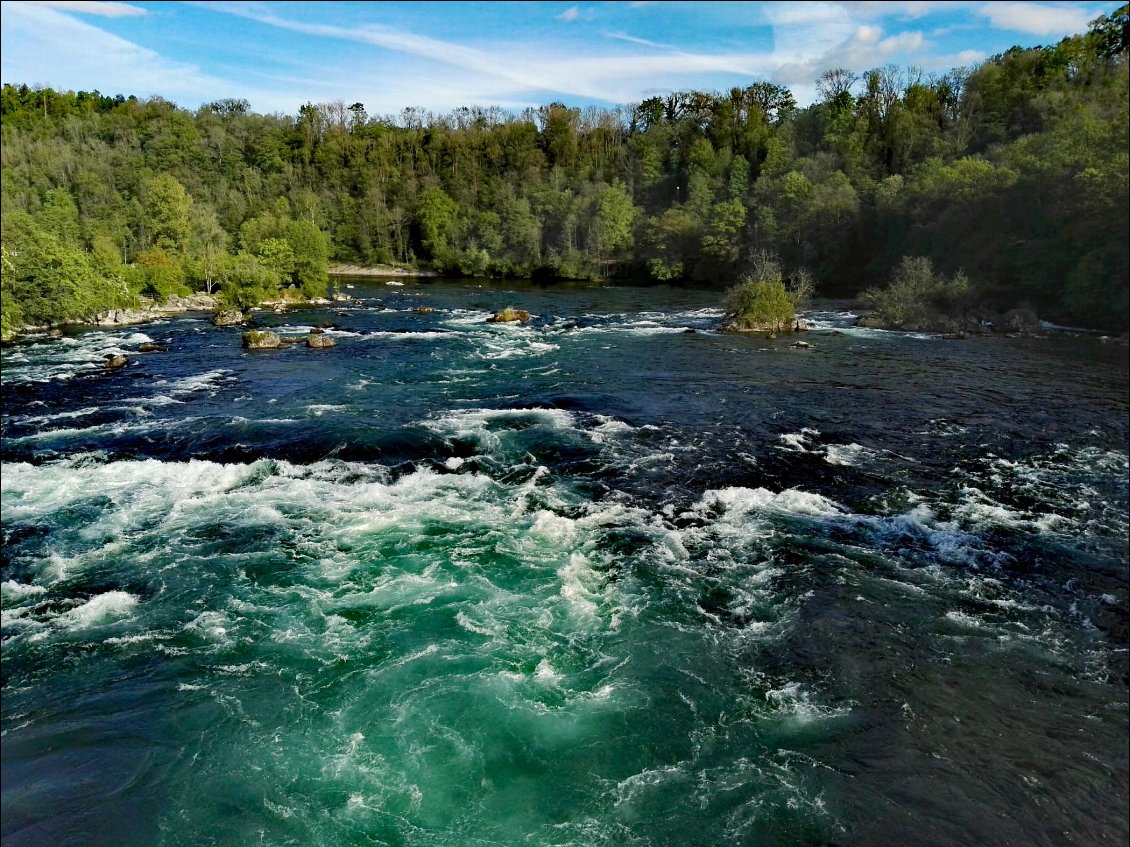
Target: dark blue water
609,577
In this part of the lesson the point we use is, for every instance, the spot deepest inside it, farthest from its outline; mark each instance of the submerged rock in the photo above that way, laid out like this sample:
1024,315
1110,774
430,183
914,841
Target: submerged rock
801,345
508,315
228,317
116,360
423,310
320,341
150,347
261,340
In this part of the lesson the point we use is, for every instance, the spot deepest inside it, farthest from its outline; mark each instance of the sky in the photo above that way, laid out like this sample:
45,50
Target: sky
440,55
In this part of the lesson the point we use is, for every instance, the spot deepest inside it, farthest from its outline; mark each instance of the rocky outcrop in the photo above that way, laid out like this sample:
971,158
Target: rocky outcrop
975,322
228,317
1020,322
116,360
377,270
509,315
151,310
770,330
320,342
261,340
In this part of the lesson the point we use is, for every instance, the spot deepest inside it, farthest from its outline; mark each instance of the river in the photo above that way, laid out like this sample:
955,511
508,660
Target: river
610,577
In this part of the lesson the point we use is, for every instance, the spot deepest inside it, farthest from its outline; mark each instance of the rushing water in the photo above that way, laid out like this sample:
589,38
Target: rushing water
597,579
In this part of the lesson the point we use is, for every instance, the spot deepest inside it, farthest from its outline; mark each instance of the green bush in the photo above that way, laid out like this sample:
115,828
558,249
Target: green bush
164,276
917,294
761,302
246,282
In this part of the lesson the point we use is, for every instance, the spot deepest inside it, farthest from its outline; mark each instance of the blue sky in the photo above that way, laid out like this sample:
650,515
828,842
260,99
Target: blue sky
439,56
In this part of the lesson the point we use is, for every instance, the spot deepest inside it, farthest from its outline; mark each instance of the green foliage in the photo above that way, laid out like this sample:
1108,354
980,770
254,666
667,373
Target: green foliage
437,215
47,281
614,216
167,212
761,301
310,250
916,294
163,275
245,282
1015,169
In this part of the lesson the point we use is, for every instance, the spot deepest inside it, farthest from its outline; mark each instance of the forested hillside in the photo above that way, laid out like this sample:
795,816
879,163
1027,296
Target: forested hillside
1014,172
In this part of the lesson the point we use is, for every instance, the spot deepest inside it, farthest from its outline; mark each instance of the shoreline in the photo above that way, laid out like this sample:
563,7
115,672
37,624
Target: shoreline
377,271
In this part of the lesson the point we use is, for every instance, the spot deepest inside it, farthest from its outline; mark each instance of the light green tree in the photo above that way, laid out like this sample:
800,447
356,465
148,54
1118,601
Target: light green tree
167,207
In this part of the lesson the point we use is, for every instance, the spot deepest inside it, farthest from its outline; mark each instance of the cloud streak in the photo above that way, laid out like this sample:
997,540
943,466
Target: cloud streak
1036,18
94,7
84,57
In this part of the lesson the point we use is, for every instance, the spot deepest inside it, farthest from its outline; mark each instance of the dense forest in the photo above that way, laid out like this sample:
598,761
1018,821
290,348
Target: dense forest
1012,173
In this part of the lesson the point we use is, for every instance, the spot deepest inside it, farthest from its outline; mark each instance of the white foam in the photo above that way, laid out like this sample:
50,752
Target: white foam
799,442
12,591
580,585
847,455
793,701
319,409
554,529
100,609
790,501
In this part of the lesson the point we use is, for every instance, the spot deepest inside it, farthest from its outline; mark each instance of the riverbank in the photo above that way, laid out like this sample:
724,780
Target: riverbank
378,270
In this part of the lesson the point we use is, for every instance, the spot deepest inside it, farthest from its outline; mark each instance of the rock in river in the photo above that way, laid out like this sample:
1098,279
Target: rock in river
320,341
509,314
228,317
261,340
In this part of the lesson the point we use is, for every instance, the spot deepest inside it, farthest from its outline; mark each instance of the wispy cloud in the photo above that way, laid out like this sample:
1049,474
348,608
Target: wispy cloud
570,14
95,7
631,39
85,57
1038,18
865,48
513,74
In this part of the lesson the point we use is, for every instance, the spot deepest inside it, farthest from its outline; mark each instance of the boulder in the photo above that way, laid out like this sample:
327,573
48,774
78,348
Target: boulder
320,341
261,340
227,317
1022,321
292,339
508,315
116,360
423,310
150,347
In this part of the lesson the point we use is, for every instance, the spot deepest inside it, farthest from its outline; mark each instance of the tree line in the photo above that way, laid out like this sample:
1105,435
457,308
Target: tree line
1012,173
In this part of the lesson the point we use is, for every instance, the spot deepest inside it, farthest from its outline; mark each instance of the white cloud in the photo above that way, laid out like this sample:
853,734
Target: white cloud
864,49
905,9
631,39
1038,18
95,7
570,14
43,46
513,74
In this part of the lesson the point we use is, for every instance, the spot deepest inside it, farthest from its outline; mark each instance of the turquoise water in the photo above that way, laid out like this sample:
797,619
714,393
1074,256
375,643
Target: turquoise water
592,580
